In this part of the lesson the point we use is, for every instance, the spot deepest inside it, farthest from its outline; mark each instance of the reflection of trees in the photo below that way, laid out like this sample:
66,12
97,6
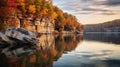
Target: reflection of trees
50,48
70,42
64,43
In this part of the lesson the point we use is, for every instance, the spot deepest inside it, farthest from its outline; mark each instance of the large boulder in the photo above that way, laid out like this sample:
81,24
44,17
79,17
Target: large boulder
17,36
15,42
19,33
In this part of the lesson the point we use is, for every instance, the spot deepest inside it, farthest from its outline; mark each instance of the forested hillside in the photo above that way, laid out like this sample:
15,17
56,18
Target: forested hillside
110,26
43,9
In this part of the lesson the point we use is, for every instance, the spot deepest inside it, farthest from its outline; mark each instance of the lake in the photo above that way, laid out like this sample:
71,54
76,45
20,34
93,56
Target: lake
88,50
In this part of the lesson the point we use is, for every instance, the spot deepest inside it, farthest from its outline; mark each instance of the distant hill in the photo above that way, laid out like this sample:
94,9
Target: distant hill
110,26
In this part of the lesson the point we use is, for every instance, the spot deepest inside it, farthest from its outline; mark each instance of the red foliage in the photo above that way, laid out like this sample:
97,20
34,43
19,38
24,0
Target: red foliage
11,3
8,8
7,12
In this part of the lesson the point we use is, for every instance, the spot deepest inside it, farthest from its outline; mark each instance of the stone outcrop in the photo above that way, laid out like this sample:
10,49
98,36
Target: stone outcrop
17,42
17,36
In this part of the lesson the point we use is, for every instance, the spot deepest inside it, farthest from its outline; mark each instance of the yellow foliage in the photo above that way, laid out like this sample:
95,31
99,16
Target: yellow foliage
32,9
44,11
54,15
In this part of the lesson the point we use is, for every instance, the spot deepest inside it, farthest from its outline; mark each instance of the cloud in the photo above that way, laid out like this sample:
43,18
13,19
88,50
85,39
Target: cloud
101,10
108,13
111,2
104,7
94,9
83,13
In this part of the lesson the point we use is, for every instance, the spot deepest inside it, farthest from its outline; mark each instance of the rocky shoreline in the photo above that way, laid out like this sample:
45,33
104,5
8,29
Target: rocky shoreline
17,36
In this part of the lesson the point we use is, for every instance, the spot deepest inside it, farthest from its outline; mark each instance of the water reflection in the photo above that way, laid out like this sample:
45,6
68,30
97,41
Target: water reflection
96,50
50,49
89,50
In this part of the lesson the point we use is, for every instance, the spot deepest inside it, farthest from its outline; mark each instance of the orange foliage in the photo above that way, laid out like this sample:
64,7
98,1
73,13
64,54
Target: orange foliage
54,15
32,9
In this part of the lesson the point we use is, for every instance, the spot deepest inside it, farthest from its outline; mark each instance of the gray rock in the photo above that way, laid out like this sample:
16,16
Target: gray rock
17,36
16,42
19,33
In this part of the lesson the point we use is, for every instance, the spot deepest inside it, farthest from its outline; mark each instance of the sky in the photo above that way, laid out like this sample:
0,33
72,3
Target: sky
91,11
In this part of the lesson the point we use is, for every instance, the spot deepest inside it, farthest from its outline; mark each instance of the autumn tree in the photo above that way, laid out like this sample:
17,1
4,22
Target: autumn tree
38,9
7,9
51,13
21,6
32,9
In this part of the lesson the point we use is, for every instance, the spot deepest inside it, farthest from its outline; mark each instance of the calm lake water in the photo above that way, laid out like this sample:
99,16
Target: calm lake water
88,50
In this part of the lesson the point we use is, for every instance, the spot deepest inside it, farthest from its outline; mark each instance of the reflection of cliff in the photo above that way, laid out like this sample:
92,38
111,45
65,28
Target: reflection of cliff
71,42
103,37
46,42
65,43
50,49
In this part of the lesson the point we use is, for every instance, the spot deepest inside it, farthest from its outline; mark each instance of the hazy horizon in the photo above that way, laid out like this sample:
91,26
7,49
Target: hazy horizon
91,11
